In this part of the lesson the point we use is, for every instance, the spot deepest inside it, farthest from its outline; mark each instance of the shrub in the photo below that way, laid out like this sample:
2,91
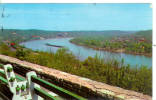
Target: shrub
9,69
17,88
23,87
12,79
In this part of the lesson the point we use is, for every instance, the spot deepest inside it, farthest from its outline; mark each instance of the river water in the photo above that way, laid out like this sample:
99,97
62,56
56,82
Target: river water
83,52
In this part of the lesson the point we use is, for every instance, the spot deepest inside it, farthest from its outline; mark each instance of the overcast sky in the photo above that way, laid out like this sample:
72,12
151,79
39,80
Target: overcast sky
67,17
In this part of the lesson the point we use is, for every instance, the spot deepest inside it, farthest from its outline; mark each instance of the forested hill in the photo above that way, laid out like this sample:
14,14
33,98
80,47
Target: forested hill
145,34
24,35
112,72
134,43
106,32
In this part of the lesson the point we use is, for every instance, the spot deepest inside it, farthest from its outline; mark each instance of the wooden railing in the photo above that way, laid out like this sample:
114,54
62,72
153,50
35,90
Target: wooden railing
34,86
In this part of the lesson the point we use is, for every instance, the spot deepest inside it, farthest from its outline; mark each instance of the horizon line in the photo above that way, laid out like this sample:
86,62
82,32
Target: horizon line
75,30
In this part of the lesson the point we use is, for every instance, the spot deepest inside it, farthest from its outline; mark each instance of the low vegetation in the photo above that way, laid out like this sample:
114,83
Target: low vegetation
111,72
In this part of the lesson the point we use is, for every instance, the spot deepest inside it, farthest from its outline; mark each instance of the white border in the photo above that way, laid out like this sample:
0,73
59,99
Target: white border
77,1
107,1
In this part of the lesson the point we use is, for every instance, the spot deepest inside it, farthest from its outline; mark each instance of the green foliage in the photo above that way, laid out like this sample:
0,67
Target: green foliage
23,87
9,69
145,34
18,36
111,72
18,88
20,53
12,79
27,85
128,43
4,49
24,35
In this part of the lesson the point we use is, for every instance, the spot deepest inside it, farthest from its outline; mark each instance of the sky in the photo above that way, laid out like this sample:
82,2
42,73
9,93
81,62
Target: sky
69,17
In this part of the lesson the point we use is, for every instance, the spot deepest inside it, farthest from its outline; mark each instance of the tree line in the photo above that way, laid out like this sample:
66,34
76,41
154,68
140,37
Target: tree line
111,71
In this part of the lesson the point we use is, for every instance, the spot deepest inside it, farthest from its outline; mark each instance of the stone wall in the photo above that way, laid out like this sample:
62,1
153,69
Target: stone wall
82,86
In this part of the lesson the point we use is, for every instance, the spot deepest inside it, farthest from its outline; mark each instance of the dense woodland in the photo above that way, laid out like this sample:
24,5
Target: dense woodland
111,72
136,43
104,70
17,36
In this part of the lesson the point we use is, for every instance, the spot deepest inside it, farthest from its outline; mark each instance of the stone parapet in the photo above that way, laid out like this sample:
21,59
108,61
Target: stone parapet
80,85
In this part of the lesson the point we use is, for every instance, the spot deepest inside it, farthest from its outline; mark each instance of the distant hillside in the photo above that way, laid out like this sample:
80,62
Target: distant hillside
99,33
25,35
145,34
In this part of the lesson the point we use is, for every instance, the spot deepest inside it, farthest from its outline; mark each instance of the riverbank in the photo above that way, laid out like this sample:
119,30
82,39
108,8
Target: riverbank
112,72
83,53
44,39
113,50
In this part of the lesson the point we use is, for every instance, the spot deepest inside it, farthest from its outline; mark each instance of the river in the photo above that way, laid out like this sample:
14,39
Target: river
83,52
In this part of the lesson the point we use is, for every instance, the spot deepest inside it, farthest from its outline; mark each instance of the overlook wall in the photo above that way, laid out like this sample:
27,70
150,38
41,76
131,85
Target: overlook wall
82,86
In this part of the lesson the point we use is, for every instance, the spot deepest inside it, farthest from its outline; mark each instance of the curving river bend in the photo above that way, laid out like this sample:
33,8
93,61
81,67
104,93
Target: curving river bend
83,52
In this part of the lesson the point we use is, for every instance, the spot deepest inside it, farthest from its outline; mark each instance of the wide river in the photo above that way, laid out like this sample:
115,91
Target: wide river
83,52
